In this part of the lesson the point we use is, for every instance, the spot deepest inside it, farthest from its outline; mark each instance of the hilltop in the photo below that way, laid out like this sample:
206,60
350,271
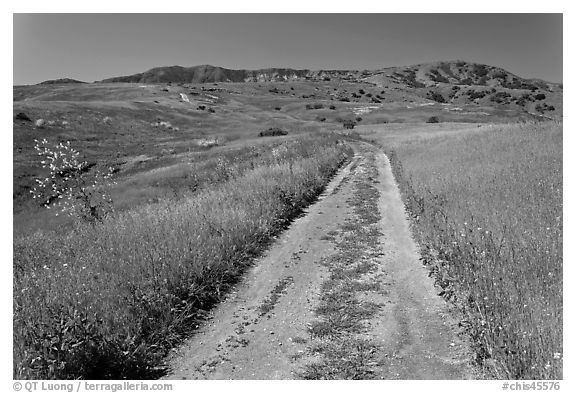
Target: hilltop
208,74
60,81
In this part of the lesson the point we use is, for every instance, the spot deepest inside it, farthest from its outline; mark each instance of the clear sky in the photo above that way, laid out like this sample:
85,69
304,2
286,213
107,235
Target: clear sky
96,46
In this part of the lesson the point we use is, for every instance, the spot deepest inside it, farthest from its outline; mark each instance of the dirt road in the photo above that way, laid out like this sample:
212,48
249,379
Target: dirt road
340,295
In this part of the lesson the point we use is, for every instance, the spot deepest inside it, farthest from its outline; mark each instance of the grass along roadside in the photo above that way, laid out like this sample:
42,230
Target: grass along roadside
487,212
107,301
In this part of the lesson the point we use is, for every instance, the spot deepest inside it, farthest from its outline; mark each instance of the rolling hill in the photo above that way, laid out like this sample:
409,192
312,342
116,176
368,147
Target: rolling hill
454,72
455,82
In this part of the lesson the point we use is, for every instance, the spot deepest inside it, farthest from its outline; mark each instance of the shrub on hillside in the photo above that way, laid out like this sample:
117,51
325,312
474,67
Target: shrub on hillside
435,96
349,124
473,94
544,107
22,117
273,131
540,96
500,97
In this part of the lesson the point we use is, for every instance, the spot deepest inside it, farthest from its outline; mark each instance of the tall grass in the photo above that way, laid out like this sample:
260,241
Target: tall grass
109,300
487,212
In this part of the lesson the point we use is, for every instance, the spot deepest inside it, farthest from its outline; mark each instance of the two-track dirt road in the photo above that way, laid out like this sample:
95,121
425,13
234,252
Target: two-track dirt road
341,294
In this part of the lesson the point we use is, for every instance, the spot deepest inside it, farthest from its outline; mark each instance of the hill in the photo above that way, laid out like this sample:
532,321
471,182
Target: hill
459,83
456,72
60,81
446,82
208,74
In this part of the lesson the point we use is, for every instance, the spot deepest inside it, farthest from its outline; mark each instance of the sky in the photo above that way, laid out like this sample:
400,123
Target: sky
92,47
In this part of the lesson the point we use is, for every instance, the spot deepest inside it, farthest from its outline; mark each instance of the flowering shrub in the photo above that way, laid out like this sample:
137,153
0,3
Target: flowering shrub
69,187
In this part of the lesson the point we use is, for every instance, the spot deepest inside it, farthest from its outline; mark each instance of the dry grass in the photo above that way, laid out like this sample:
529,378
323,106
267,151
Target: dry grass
487,212
108,300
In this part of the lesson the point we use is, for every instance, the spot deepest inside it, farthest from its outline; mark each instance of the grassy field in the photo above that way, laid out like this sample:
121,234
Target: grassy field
486,203
108,300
